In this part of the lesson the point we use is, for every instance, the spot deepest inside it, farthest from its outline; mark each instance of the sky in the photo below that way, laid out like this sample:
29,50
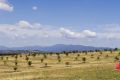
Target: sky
50,22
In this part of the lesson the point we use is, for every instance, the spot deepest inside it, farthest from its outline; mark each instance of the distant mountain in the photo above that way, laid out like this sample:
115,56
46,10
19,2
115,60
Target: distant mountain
3,48
55,48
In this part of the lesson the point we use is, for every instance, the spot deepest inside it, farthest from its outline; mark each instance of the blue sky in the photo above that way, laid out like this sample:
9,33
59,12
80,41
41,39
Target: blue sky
49,22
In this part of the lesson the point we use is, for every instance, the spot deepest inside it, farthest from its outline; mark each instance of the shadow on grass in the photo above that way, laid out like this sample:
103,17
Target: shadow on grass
45,66
10,71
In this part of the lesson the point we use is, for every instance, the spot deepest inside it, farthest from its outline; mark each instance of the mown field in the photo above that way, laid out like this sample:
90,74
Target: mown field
72,66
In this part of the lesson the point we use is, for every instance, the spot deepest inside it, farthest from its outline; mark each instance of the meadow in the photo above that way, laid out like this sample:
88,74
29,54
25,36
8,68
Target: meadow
60,66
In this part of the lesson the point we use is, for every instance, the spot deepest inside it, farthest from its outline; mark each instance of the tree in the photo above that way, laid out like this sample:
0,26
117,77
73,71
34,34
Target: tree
78,55
67,54
15,68
34,54
42,60
86,52
106,56
6,58
16,57
67,63
29,63
92,56
76,58
116,49
46,64
2,57
116,58
27,58
16,63
119,54
59,60
101,53
58,57
45,56
20,55
84,59
98,58
5,62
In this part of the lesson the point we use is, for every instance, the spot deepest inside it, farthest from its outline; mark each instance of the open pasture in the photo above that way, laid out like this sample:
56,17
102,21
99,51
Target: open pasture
67,66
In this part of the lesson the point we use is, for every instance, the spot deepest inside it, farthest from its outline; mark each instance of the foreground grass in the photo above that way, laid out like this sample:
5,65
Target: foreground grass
83,72
93,69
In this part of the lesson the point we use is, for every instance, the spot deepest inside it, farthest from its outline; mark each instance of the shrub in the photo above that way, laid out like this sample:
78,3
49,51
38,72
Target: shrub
16,63
84,59
78,55
29,63
98,58
59,60
2,57
92,56
15,68
27,58
116,58
67,63
58,57
45,56
107,56
5,62
16,56
76,58
42,60
6,58
46,64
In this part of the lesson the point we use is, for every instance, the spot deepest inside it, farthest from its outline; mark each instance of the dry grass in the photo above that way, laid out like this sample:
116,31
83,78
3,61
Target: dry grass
93,69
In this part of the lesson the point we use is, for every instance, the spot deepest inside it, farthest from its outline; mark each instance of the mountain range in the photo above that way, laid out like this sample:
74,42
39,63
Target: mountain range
54,48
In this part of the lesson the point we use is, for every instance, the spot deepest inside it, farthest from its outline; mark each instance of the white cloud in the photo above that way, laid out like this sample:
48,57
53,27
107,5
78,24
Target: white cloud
24,24
89,33
77,35
26,30
109,35
4,5
34,7
110,32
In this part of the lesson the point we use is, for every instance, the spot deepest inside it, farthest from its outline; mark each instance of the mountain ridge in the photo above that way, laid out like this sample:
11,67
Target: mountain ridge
55,48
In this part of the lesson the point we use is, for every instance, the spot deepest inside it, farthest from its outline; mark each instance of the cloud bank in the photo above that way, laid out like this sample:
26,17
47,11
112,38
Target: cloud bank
77,35
24,33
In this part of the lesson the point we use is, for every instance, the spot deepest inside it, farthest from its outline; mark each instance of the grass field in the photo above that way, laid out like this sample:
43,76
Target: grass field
69,67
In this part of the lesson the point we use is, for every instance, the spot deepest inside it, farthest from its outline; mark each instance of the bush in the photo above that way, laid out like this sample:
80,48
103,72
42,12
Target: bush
84,59
46,64
116,58
76,58
59,60
98,58
42,60
29,63
67,63
27,58
16,63
15,68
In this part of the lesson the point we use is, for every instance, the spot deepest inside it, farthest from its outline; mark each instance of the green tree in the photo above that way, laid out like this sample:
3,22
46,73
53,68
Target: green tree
16,63
46,64
98,58
116,58
29,63
42,60
15,68
84,59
